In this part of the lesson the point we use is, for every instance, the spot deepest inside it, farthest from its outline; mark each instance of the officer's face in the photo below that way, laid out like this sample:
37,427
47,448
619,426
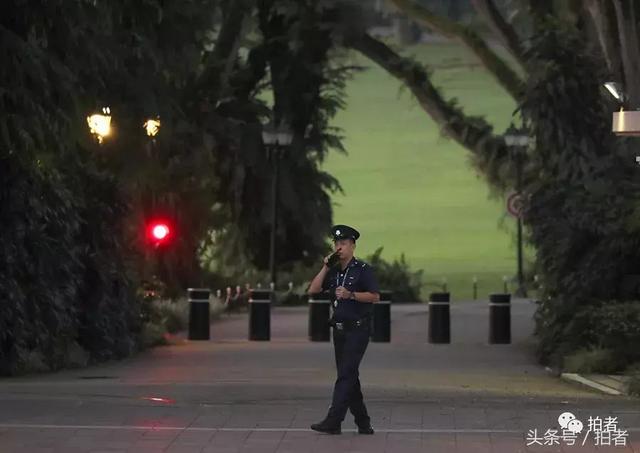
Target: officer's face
346,246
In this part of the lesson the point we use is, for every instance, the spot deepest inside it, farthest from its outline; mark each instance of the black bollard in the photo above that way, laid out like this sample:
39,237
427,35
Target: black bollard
499,318
319,313
198,313
260,315
439,318
381,322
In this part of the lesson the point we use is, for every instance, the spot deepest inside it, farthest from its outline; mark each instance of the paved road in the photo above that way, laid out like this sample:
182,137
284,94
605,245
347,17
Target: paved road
232,395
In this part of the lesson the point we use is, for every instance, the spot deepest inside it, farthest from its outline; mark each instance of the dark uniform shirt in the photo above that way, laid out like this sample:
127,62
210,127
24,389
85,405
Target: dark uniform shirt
357,277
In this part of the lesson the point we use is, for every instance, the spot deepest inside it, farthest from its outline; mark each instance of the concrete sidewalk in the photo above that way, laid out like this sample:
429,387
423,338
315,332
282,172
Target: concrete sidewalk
232,395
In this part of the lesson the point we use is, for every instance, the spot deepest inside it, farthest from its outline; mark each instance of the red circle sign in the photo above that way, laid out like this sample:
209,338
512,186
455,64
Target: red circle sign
514,204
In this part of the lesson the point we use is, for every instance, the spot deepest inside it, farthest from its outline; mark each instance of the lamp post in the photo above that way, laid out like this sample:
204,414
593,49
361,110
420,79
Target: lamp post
276,137
517,141
159,231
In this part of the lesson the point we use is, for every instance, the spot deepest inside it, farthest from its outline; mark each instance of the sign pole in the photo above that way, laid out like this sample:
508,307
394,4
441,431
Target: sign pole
521,291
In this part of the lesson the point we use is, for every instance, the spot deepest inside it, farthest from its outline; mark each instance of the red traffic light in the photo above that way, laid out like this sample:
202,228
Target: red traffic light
159,232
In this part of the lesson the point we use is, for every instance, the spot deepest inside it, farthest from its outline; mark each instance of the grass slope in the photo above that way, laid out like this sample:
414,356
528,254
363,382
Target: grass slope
412,191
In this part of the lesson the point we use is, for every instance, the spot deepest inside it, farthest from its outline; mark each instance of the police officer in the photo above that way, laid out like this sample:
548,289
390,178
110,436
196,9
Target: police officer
354,287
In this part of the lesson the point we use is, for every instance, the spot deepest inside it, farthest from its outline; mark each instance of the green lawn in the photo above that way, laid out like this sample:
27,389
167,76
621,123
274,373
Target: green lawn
412,191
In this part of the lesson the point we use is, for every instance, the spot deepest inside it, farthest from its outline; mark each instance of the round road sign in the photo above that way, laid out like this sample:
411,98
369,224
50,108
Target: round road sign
514,204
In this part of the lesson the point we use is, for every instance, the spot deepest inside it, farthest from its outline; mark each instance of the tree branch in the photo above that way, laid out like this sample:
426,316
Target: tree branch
603,24
474,133
502,28
506,76
219,63
625,13
247,81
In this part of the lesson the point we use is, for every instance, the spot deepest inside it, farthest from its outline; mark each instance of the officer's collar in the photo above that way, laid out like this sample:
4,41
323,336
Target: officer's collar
351,263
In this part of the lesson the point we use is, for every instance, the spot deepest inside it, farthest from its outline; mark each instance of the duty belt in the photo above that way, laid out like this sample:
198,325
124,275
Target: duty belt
349,325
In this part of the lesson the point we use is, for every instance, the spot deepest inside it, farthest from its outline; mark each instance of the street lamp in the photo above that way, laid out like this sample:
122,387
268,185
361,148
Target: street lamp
152,127
100,124
517,140
276,137
616,90
626,123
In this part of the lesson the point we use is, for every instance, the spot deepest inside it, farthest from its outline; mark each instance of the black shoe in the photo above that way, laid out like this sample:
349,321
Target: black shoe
327,427
365,429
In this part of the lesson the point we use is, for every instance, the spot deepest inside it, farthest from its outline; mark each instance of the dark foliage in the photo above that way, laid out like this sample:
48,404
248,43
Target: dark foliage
73,212
582,194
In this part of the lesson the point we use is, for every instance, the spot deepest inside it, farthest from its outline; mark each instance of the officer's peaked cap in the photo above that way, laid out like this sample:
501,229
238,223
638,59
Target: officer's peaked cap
344,232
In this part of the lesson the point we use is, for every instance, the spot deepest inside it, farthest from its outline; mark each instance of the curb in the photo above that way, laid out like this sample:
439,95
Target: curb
574,377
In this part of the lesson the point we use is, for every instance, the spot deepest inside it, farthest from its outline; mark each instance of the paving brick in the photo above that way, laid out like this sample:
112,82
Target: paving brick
421,398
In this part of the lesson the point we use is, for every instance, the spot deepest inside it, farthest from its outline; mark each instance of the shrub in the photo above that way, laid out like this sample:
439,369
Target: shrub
634,385
64,278
292,299
153,334
216,309
173,315
633,372
612,326
396,277
593,361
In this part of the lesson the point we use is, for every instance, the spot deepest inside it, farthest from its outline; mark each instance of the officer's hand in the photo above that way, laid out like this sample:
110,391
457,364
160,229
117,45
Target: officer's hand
331,259
342,292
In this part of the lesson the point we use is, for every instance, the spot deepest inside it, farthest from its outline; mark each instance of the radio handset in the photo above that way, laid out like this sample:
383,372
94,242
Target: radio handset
334,258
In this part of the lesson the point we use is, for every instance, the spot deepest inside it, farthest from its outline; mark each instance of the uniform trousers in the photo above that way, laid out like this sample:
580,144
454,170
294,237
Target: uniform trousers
349,346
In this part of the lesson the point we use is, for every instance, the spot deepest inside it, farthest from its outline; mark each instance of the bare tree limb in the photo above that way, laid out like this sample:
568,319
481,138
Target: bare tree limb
502,28
473,133
506,76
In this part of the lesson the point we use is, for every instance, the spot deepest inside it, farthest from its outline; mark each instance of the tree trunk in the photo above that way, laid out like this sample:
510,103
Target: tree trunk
221,60
625,12
606,30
